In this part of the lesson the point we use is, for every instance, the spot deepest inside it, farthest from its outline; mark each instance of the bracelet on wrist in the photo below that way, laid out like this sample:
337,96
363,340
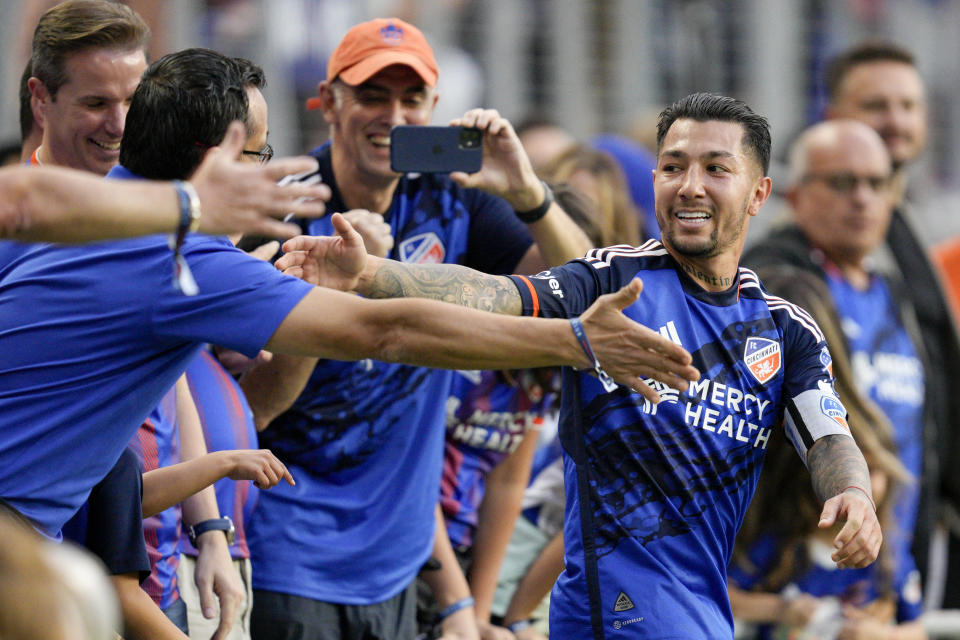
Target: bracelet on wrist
189,207
189,203
449,610
532,215
608,383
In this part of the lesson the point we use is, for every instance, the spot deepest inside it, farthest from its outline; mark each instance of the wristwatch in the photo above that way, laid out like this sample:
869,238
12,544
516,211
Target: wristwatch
224,524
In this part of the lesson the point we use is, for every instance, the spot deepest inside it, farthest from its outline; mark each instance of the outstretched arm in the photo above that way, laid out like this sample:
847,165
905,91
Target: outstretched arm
54,204
331,324
841,479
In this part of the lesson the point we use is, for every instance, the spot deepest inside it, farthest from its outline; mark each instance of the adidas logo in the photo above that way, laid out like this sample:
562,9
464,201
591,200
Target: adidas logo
669,331
623,603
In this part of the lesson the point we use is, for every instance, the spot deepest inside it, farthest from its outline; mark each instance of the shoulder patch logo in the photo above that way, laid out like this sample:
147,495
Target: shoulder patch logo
833,409
424,248
623,603
762,357
826,361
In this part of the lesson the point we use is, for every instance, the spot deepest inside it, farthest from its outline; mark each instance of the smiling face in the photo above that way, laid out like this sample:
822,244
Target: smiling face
888,96
83,123
361,117
706,185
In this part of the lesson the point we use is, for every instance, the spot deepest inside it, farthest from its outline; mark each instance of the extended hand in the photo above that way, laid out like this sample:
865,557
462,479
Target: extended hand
506,169
858,542
259,465
630,352
240,196
376,233
327,261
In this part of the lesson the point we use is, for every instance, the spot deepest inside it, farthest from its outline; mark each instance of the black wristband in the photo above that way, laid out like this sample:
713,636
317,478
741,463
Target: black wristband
224,524
535,214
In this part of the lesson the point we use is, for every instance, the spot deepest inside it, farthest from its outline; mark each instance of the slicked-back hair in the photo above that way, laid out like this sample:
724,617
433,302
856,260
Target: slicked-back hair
183,106
704,107
78,25
869,51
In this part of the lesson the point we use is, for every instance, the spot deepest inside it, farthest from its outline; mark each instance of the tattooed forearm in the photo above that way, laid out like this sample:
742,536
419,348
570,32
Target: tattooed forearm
835,463
446,282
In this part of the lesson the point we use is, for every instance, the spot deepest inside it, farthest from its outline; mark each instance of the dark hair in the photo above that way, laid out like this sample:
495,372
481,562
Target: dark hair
252,76
869,51
710,106
27,121
78,25
183,106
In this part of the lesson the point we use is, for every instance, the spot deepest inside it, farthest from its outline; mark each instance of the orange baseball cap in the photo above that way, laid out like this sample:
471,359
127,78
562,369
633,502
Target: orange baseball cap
371,46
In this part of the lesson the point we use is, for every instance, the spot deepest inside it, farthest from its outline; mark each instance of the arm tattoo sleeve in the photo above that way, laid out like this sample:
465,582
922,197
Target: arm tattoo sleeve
446,282
835,463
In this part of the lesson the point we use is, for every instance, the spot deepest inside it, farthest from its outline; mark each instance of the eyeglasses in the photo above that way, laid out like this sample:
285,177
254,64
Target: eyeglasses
264,155
846,183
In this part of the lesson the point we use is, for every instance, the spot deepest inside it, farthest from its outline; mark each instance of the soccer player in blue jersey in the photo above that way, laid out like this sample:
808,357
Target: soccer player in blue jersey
656,492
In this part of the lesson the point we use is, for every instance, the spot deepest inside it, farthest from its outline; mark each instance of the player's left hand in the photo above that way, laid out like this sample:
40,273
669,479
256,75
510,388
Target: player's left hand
327,261
217,580
506,170
858,543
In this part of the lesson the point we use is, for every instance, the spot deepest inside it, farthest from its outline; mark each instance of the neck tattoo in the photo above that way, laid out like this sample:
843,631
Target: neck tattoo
711,280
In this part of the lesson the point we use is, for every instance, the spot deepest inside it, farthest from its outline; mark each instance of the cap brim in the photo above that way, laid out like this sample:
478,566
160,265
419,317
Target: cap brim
365,69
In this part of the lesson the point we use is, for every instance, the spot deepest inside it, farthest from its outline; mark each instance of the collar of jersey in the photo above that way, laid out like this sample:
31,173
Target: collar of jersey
724,298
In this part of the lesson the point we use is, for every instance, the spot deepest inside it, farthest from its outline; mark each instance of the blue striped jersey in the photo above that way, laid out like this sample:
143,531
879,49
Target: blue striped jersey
655,493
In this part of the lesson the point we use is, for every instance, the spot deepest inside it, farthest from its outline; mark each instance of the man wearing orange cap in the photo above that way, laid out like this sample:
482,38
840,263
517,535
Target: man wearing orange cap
337,555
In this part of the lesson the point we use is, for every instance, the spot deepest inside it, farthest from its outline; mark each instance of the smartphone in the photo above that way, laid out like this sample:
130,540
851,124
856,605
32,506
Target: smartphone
416,149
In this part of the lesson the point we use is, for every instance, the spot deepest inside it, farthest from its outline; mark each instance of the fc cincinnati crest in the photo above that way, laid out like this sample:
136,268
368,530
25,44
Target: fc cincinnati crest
424,248
762,357
831,407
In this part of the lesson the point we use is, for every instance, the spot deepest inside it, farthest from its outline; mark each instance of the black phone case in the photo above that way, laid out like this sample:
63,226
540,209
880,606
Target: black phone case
419,149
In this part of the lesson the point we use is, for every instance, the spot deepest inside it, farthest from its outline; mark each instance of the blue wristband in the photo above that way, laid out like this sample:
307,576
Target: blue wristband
608,384
462,603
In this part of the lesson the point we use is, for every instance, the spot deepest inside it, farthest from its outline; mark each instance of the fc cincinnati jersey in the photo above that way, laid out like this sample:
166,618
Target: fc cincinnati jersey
656,493
487,419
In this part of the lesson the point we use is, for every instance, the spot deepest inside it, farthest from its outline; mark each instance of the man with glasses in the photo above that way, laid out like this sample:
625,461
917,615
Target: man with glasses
841,179
879,84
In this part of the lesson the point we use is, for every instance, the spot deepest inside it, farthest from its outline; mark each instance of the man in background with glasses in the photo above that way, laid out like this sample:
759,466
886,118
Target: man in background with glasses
879,84
840,195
